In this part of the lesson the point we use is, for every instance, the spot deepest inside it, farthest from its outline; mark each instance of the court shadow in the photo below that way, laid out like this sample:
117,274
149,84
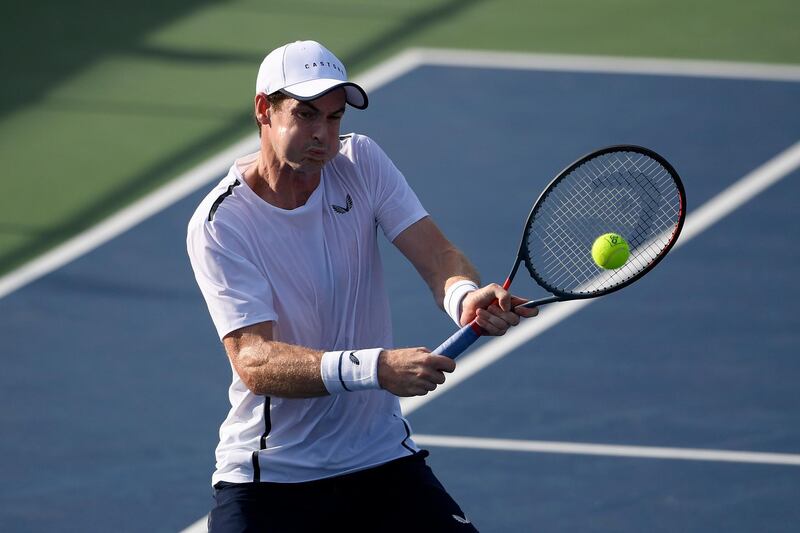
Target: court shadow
48,41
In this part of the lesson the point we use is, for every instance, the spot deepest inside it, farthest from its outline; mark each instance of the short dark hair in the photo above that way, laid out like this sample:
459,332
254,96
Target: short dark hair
275,99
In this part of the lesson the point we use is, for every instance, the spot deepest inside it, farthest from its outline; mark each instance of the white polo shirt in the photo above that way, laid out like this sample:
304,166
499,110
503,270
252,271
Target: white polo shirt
315,272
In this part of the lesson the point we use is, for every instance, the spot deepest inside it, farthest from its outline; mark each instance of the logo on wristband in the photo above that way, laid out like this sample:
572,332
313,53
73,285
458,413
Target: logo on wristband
354,359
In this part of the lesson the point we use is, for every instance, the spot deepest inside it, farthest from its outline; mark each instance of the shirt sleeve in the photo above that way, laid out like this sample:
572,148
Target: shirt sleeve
236,292
395,203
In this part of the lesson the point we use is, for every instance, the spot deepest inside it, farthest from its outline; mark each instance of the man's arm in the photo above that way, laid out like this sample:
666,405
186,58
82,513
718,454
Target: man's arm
441,264
436,259
271,368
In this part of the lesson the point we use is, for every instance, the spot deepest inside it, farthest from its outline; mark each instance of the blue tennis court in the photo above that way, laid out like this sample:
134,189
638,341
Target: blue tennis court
116,384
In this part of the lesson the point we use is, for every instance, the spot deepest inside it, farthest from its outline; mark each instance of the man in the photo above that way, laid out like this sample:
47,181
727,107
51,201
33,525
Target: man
285,252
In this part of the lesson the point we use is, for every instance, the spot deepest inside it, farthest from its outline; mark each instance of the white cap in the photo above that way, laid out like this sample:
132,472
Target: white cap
306,70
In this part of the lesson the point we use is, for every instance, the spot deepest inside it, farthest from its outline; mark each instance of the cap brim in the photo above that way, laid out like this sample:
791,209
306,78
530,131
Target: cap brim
313,89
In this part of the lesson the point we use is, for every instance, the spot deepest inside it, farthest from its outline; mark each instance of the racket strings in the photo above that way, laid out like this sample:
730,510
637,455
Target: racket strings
618,198
627,193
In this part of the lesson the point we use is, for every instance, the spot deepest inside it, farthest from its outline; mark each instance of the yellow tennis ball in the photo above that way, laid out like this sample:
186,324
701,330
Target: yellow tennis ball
610,251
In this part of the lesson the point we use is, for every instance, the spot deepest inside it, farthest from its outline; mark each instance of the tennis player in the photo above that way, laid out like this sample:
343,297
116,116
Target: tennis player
285,252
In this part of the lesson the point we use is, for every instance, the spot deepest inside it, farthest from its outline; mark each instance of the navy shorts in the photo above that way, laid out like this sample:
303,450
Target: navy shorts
399,496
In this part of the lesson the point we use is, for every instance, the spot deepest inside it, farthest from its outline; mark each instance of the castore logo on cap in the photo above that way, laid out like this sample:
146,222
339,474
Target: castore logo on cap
321,64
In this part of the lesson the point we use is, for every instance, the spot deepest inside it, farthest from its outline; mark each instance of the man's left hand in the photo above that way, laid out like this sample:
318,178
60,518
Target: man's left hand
494,308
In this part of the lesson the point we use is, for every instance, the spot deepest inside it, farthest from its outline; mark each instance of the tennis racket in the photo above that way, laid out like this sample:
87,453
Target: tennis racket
626,189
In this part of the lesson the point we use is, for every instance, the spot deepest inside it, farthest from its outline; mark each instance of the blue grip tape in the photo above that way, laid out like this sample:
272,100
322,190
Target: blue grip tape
458,342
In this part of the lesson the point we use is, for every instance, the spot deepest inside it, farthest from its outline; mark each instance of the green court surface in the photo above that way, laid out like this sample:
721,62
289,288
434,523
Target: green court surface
105,101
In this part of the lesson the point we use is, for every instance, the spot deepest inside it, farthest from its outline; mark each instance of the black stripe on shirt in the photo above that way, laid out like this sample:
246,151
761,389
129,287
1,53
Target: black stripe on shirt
256,468
262,444
267,423
408,436
222,197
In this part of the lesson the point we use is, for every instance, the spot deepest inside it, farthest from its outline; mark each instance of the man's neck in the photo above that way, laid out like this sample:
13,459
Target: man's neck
283,187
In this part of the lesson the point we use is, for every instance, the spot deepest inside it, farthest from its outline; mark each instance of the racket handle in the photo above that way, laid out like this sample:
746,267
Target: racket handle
466,336
459,341
541,301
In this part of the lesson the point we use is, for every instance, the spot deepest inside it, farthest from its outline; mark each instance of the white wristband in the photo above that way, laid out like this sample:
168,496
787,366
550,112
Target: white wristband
454,296
350,370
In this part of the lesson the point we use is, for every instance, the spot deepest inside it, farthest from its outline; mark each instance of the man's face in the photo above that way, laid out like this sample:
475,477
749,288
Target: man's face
305,135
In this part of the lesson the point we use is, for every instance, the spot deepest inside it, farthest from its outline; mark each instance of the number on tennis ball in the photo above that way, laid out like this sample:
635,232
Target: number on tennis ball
610,251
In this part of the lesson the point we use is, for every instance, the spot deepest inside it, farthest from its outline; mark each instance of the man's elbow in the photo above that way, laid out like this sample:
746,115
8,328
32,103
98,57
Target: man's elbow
252,371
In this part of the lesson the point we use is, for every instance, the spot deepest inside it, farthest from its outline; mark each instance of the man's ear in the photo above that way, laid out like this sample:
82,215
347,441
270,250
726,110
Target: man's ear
262,109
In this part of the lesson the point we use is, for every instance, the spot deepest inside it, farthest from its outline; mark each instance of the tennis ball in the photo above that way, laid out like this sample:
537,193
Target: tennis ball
610,251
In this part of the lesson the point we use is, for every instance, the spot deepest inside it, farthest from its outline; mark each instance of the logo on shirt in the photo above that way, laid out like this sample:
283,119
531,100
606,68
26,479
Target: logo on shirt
463,520
348,202
353,358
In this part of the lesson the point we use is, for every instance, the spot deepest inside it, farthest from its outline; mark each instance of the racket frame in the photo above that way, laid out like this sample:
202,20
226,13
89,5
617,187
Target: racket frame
524,256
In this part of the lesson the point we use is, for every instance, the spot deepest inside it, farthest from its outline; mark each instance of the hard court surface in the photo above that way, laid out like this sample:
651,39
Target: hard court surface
115,382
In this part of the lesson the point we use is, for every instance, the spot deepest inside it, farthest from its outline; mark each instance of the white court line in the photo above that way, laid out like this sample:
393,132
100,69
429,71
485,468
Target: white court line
606,64
125,219
609,450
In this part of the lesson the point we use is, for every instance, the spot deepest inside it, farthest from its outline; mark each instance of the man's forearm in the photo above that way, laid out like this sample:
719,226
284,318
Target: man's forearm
436,259
272,368
454,267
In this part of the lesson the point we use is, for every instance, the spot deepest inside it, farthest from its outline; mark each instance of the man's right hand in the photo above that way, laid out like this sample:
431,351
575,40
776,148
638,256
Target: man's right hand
412,371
